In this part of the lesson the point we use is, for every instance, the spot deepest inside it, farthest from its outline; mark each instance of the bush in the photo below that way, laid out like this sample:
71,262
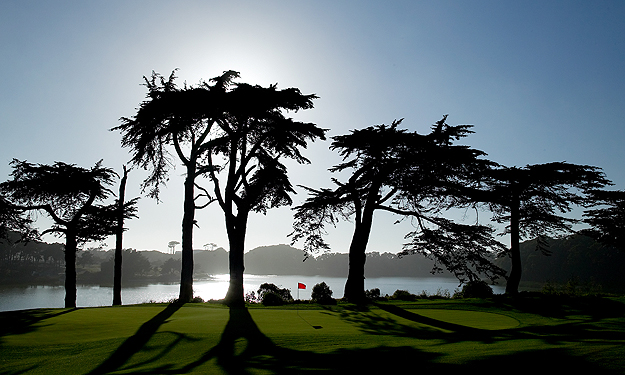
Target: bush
373,293
272,299
321,293
250,297
266,289
403,295
476,289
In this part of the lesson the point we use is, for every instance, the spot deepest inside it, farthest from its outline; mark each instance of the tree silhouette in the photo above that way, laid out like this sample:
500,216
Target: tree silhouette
68,195
182,119
409,174
172,246
13,220
607,223
135,264
246,169
125,210
533,201
170,266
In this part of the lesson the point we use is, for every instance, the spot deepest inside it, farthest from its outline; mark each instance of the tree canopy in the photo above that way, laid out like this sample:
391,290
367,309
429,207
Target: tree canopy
607,223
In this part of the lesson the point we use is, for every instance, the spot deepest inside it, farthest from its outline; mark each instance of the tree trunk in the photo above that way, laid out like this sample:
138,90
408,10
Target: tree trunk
188,220
70,268
119,233
355,284
236,238
512,286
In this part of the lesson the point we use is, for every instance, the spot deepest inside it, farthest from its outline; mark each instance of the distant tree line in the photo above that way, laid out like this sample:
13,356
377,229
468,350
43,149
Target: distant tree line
37,262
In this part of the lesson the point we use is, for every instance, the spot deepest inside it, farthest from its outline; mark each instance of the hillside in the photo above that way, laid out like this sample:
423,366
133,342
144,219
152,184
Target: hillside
577,259
287,260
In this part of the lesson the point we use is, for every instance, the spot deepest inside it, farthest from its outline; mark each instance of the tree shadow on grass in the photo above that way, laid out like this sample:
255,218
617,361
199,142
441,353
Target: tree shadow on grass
136,342
24,321
244,349
590,330
554,306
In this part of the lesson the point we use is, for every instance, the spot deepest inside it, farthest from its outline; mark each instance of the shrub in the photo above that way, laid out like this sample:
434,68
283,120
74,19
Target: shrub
250,297
283,293
272,299
403,295
373,293
477,289
321,293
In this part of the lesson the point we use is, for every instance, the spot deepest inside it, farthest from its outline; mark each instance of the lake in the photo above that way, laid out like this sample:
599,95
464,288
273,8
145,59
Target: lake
29,297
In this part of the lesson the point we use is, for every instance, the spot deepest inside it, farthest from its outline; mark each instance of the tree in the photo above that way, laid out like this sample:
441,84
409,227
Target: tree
409,174
170,266
322,293
68,195
124,210
270,294
135,264
182,119
246,169
533,200
172,246
13,220
607,223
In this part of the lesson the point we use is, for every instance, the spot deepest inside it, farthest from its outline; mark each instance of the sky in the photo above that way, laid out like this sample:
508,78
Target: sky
541,81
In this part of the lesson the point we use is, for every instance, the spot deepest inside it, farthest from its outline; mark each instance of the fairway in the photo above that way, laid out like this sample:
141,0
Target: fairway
208,338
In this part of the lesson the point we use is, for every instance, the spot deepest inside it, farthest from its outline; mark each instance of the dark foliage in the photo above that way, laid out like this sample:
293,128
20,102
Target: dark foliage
171,266
272,299
15,220
372,294
272,295
135,264
403,295
476,289
608,222
321,293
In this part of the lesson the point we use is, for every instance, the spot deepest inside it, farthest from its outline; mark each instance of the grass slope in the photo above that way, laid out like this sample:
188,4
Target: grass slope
538,335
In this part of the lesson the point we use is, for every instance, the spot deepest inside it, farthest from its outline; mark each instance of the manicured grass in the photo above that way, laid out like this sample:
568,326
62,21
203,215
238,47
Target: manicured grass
524,335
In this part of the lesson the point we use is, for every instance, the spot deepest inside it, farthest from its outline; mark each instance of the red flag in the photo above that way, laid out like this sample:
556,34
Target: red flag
301,286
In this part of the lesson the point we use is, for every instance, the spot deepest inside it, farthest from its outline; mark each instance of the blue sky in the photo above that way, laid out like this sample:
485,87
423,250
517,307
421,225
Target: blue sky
541,81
